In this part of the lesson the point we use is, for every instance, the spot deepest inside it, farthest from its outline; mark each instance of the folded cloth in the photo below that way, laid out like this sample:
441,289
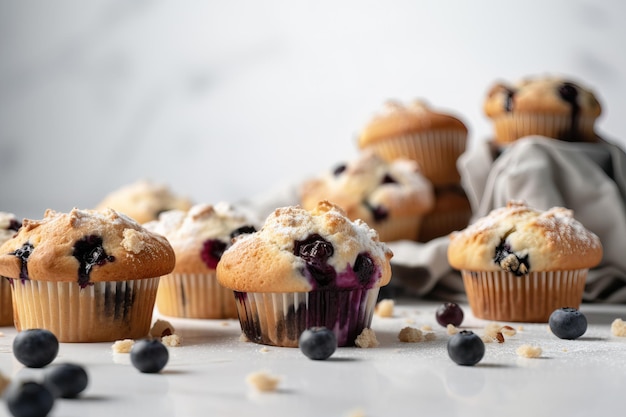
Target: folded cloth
588,178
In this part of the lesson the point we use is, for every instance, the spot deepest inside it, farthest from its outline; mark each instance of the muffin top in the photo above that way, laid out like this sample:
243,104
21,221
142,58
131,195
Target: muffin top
144,200
298,250
398,119
519,239
85,246
9,225
370,189
541,94
200,236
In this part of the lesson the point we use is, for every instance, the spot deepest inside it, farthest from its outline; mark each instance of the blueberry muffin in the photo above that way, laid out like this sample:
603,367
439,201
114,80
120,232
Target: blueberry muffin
304,269
199,237
144,200
86,275
551,106
434,139
521,264
391,197
9,225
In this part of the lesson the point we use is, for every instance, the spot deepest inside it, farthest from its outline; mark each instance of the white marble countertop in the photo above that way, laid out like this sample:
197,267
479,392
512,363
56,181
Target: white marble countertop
206,375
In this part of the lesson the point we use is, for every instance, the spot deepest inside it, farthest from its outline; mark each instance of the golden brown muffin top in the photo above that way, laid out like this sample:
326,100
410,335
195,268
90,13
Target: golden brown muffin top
371,189
85,246
398,119
298,250
200,236
519,239
144,200
541,94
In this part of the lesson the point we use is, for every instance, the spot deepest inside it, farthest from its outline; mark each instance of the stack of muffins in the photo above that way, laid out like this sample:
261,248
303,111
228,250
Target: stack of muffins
433,139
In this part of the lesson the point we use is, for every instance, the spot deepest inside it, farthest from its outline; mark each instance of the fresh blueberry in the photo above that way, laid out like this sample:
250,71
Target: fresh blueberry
318,343
35,348
466,348
449,313
66,380
212,251
149,355
567,323
29,399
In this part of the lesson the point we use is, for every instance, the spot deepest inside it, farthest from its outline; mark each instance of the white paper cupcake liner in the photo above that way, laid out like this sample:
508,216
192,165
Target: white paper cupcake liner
531,298
511,127
278,319
195,296
99,312
436,152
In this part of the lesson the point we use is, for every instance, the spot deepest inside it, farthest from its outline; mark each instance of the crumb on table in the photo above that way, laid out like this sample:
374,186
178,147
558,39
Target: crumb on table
367,339
171,340
161,328
384,308
618,328
123,346
528,351
263,381
410,335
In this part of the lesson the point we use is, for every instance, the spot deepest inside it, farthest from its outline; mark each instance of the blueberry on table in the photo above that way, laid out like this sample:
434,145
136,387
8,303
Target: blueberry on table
66,380
466,348
449,313
28,399
318,343
149,355
35,348
568,323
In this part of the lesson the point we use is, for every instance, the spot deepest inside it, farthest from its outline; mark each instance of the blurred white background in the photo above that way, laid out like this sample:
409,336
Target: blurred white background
226,100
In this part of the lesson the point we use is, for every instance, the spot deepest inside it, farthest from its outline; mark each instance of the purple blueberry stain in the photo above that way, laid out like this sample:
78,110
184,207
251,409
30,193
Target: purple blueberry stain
315,250
212,251
89,252
23,254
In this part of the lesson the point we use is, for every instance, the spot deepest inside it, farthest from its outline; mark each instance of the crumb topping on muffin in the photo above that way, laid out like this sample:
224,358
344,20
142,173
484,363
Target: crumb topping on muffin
371,189
85,246
200,236
519,239
298,250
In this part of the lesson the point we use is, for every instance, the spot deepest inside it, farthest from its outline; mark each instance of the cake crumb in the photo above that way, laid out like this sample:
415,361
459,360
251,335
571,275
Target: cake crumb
224,324
264,349
358,412
451,329
263,381
528,351
430,336
410,335
367,339
123,346
520,328
384,308
161,328
409,320
494,332
243,338
427,328
171,340
618,328
508,331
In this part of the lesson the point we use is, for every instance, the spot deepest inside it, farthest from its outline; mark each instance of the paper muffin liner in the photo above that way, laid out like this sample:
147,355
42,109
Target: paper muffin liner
503,296
436,152
398,228
99,312
510,127
278,319
6,303
195,296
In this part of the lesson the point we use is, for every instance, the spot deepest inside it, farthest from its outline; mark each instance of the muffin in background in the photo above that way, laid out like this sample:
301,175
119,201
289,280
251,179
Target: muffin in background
304,269
547,105
199,236
415,131
9,225
520,264
452,212
391,197
86,275
144,200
